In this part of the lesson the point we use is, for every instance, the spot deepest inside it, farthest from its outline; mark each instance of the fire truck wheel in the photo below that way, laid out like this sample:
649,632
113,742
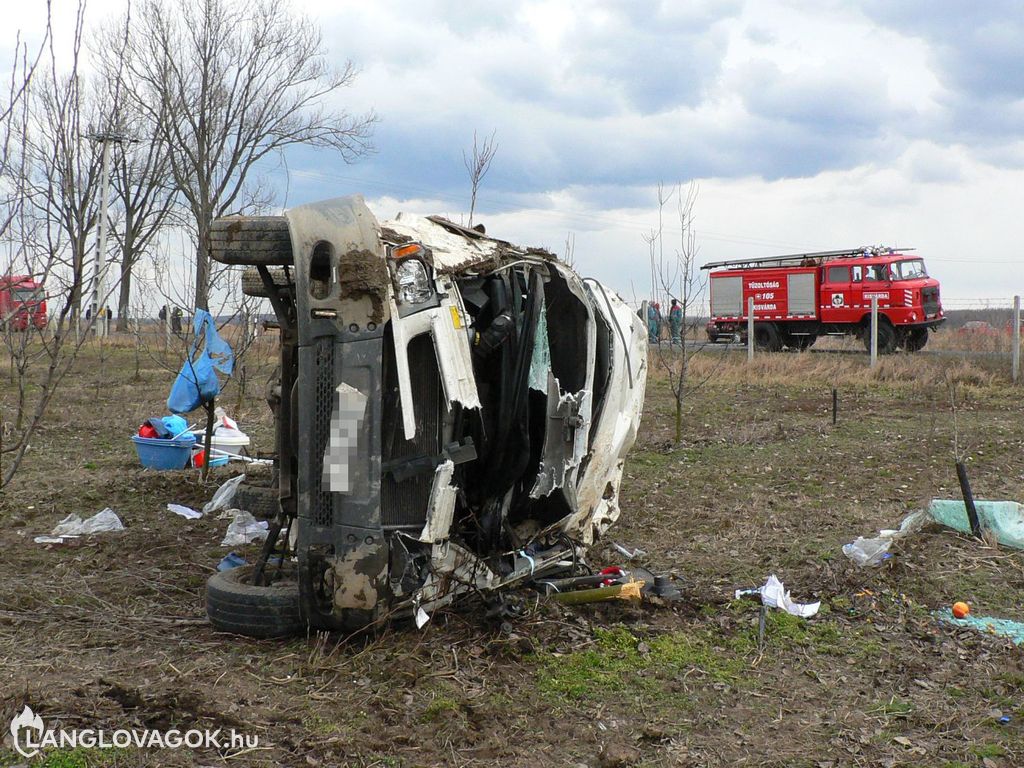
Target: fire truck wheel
766,337
800,342
235,605
886,337
915,340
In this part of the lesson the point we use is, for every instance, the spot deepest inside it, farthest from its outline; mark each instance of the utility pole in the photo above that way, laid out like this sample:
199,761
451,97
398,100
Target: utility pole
1015,364
99,295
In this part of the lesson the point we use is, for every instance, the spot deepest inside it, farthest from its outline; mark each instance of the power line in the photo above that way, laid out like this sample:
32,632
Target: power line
500,207
507,207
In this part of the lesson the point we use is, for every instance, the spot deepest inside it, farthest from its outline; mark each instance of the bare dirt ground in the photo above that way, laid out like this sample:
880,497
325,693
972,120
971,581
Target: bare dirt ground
111,633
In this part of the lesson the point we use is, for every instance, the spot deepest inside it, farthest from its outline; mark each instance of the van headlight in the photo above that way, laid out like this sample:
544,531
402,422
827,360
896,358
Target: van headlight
413,284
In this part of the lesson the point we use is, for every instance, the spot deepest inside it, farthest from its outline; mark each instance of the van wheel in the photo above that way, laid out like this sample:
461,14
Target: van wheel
252,283
251,240
261,502
886,337
235,605
767,338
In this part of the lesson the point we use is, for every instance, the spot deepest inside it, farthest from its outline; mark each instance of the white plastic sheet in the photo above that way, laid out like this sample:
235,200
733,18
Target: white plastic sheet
73,525
245,529
187,512
774,595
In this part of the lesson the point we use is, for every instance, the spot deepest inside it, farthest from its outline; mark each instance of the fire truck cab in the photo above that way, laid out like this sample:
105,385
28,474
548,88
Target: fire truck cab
22,303
798,297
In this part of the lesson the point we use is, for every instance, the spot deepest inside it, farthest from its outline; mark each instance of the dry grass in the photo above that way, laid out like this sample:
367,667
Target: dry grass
845,370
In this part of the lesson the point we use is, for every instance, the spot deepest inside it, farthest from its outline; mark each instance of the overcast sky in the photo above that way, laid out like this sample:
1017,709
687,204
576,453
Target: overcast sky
806,125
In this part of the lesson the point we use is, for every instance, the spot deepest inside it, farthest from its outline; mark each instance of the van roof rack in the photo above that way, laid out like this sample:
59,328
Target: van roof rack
814,257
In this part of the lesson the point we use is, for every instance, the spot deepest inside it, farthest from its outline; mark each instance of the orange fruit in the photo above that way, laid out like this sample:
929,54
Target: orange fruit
961,609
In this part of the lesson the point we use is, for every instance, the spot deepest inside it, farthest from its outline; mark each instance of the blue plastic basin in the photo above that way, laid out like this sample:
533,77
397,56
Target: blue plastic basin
163,454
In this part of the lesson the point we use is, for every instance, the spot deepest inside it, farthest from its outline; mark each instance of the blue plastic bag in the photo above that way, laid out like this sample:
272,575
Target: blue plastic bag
197,382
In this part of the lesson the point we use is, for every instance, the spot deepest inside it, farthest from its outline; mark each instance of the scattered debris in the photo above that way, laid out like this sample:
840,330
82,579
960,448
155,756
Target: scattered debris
874,551
1004,518
626,553
227,441
1013,630
664,589
73,525
774,595
245,529
224,495
229,561
628,591
187,512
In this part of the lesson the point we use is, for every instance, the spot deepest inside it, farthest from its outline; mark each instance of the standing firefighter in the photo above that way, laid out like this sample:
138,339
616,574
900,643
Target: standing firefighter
675,321
653,323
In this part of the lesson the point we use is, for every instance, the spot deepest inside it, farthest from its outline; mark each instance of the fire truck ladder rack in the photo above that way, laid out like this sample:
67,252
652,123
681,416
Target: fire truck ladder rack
806,259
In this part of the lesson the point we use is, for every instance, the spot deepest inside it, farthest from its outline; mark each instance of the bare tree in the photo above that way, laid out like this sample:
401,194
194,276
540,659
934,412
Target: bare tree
62,176
224,83
679,278
478,165
51,167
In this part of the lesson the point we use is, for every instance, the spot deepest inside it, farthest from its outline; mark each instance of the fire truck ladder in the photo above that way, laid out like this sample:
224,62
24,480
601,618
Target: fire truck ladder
806,259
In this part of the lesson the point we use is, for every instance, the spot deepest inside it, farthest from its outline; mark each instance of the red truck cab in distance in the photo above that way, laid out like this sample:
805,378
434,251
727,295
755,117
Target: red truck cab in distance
22,303
801,296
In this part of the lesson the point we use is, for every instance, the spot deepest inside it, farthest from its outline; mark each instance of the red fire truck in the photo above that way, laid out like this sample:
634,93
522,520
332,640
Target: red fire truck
22,303
801,296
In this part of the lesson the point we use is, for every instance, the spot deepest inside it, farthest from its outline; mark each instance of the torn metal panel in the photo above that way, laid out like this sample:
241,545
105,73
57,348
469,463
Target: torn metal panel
446,325
453,569
598,488
567,433
565,439
343,441
441,506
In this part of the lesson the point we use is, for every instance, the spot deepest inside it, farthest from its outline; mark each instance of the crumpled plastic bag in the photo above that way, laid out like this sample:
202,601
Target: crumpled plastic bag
224,495
245,529
866,552
874,551
73,525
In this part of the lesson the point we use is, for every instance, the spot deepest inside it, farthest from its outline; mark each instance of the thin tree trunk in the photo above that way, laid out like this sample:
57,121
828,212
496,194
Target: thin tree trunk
203,267
124,297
